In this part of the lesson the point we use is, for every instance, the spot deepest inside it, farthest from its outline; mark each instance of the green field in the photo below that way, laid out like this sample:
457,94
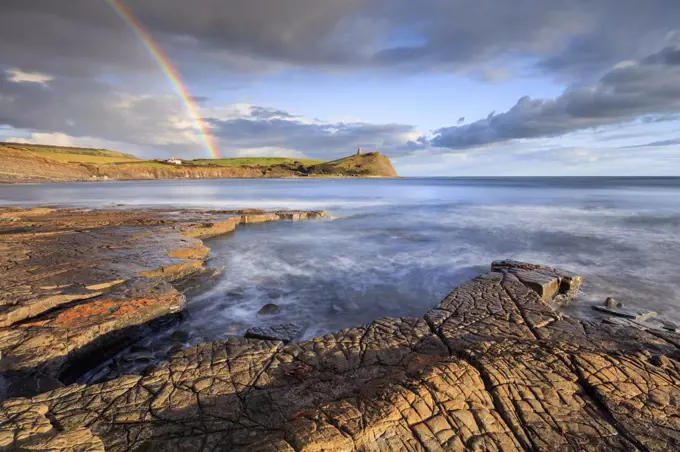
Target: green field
80,158
253,161
73,155
106,157
147,164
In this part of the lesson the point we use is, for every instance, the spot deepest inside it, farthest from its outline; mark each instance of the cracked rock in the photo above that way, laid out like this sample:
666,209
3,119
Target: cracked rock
494,366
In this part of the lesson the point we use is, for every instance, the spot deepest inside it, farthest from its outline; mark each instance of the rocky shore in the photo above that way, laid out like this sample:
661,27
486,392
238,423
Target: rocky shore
494,366
79,285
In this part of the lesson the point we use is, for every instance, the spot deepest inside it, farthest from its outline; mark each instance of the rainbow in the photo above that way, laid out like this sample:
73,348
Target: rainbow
170,72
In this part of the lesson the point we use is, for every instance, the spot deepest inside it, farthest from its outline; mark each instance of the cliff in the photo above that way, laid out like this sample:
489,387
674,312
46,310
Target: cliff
21,166
56,165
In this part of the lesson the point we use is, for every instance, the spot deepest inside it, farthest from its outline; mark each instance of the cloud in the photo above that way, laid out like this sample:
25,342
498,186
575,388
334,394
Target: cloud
270,128
61,139
77,110
628,91
562,36
661,143
17,76
268,113
91,61
89,108
661,118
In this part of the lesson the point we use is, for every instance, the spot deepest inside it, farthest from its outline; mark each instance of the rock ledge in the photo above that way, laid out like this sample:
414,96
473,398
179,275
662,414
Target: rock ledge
494,366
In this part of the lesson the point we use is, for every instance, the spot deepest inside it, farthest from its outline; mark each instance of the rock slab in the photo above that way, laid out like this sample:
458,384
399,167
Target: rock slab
629,313
285,332
492,367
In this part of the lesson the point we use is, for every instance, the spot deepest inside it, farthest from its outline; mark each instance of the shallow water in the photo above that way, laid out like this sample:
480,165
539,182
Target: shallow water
398,246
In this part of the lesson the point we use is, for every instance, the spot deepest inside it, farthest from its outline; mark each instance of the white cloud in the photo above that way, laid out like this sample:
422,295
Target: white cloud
62,139
19,76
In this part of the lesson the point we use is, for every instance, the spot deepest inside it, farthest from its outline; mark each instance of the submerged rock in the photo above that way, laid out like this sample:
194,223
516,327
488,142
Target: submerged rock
179,336
286,332
269,309
670,326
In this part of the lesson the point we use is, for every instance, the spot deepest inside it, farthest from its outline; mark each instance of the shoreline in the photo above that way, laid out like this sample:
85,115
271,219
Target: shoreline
494,365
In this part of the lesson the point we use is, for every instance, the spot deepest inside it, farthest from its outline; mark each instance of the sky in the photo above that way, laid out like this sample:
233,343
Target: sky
443,87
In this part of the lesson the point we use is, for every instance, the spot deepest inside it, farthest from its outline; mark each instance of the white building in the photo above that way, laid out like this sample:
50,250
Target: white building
174,161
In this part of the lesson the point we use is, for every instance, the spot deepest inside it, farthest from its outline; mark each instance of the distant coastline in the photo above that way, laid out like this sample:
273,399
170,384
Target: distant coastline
25,163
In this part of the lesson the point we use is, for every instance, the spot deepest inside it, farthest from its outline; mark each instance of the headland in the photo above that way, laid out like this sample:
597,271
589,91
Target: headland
24,163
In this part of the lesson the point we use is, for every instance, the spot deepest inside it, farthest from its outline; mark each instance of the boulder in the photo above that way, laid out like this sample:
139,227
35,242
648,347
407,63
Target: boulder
612,303
179,336
269,309
550,283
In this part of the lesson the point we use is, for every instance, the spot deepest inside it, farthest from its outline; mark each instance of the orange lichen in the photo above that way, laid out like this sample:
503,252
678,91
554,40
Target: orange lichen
98,311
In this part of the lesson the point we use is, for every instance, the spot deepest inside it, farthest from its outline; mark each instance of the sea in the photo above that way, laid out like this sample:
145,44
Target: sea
396,247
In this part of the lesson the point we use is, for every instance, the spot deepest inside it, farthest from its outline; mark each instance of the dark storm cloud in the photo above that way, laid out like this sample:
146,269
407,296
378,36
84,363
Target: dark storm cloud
626,92
74,37
564,36
79,41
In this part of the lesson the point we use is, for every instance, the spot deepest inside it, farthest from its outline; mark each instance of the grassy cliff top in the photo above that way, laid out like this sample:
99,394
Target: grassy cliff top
372,164
254,161
73,155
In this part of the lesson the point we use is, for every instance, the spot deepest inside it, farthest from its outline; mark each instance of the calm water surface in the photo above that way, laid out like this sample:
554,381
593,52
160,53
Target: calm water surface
398,246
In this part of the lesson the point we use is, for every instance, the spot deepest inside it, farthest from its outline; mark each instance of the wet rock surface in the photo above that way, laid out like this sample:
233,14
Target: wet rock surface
79,285
493,367
286,332
629,313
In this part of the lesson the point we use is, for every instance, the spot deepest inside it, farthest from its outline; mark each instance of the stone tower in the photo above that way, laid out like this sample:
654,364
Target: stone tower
360,151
